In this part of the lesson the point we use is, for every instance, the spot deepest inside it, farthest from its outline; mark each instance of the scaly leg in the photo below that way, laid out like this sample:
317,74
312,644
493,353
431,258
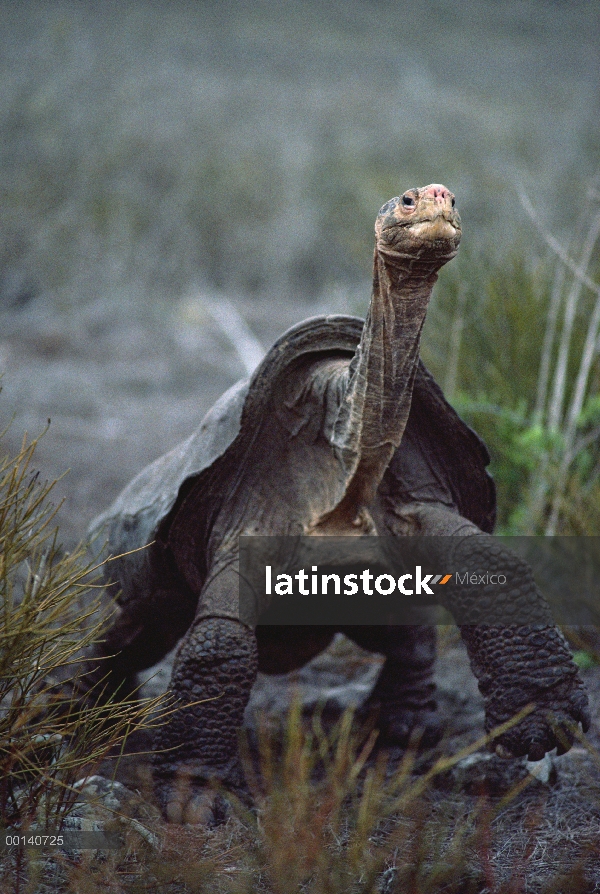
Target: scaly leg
521,665
404,695
215,668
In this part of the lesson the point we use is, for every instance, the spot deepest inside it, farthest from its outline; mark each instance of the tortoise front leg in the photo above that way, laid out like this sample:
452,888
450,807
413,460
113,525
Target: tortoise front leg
213,674
517,665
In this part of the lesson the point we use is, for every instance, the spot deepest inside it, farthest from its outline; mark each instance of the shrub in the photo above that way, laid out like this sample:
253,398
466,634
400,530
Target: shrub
47,616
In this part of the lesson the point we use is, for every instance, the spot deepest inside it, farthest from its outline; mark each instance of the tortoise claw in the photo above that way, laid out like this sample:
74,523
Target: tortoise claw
503,752
582,713
586,721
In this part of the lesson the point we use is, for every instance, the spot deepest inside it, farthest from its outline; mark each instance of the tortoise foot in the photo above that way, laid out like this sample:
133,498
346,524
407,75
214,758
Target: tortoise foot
198,806
423,728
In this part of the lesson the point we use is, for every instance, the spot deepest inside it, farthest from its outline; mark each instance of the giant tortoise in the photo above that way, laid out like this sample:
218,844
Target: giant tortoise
341,430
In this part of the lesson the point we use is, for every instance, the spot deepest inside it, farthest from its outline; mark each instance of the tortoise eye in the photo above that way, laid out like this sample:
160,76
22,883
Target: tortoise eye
408,201
453,201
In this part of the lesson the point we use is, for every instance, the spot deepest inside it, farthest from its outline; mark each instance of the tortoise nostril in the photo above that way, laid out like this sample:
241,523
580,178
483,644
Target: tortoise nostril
438,192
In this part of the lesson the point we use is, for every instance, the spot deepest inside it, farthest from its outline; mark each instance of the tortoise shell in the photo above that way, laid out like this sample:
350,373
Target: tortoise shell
440,459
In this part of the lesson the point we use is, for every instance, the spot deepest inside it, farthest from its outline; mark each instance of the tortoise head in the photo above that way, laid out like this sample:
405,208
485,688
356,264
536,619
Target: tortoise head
423,224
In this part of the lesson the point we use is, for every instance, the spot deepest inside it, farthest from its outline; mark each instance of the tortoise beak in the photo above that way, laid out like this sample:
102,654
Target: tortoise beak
438,216
438,227
438,220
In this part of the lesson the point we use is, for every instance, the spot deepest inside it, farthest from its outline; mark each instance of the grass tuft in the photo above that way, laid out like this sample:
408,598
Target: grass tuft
48,615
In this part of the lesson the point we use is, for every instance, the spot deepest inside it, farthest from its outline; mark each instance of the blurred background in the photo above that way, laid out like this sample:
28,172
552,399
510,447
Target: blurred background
183,180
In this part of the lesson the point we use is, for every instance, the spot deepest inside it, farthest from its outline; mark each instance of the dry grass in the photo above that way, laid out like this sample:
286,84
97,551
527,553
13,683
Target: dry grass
334,817
47,617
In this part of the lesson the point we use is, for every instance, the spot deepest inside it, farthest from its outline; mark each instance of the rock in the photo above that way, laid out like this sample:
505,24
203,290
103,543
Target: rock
107,805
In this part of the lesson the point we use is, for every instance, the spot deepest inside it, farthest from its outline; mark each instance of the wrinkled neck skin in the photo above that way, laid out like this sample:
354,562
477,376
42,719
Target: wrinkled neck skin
377,386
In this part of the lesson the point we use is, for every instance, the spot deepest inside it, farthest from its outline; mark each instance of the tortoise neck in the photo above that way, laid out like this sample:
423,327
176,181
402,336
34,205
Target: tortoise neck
377,396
